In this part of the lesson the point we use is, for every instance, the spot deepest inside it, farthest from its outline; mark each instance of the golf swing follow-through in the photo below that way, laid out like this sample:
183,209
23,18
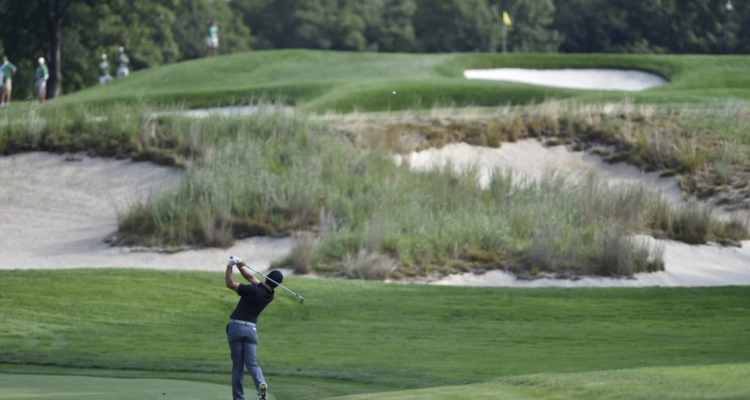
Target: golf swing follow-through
242,332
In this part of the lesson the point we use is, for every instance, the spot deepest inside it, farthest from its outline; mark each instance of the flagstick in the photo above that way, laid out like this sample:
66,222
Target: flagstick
505,27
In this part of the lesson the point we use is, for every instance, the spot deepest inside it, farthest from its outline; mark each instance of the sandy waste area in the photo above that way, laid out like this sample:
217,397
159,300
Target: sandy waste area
686,265
588,79
56,211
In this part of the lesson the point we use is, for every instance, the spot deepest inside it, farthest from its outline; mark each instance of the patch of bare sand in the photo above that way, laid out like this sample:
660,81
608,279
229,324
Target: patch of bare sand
56,213
588,79
686,265
532,159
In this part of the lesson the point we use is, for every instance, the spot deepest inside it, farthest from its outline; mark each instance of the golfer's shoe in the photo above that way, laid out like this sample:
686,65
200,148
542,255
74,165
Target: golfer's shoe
263,389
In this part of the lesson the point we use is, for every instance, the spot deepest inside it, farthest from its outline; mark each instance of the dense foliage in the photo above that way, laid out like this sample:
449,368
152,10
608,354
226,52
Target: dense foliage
163,31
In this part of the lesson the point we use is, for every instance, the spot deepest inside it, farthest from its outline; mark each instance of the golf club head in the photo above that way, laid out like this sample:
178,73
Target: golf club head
301,302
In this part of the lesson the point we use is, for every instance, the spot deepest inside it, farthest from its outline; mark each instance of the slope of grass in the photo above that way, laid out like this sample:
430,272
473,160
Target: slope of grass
730,381
281,386
353,331
17,386
322,81
686,383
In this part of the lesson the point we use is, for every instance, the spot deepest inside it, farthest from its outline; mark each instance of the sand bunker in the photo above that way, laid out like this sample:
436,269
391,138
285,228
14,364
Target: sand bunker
590,79
686,265
233,111
55,214
531,158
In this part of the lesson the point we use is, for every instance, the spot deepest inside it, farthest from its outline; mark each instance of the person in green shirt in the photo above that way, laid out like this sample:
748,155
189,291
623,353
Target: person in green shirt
40,87
123,61
7,70
104,75
212,38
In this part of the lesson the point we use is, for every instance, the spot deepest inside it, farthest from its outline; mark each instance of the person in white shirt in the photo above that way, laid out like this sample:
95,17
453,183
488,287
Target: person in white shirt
40,86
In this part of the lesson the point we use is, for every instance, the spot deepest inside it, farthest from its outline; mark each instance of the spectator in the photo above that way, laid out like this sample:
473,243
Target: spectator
212,38
7,70
104,75
40,87
123,61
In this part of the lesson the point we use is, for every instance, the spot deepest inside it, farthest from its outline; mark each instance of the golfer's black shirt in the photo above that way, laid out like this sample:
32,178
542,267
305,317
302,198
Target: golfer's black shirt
253,299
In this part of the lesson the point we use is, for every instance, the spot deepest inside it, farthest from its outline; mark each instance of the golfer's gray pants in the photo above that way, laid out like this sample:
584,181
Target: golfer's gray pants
243,339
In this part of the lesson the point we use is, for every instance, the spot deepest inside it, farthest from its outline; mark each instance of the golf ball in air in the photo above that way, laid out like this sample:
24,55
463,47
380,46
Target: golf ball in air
394,92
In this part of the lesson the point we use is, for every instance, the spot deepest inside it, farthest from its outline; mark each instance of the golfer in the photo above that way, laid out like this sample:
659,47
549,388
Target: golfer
104,75
242,333
123,61
7,70
40,86
212,38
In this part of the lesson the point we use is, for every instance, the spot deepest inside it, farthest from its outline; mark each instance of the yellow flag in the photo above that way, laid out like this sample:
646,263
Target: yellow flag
506,18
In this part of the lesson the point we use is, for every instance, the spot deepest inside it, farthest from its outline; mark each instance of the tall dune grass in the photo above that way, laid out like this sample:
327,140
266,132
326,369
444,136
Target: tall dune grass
281,173
276,174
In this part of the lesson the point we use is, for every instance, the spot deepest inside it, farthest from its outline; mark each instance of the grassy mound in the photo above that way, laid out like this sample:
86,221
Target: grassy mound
687,383
321,81
402,337
277,172
274,173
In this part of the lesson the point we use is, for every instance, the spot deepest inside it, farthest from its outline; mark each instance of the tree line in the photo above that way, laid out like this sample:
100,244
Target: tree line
72,34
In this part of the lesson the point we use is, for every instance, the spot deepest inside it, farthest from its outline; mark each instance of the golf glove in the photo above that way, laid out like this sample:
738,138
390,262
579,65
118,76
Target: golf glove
233,261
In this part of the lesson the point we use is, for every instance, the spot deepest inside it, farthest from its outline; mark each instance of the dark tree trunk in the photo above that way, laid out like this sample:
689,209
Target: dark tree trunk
54,10
55,69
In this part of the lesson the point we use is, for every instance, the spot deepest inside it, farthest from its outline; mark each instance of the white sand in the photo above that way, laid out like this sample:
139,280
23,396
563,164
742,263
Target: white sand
233,111
686,265
532,159
56,214
590,79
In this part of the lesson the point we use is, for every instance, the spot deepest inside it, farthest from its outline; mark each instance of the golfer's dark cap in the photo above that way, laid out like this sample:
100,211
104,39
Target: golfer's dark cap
275,275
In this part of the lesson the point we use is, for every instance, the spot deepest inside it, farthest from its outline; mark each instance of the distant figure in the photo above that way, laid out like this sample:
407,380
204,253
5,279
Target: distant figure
123,61
7,70
212,38
40,87
104,75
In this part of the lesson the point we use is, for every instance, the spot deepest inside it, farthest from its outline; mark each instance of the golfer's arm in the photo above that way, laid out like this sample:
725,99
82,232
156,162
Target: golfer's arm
247,274
229,277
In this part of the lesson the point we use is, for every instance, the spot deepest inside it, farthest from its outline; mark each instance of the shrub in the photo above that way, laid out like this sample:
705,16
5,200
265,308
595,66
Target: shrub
369,266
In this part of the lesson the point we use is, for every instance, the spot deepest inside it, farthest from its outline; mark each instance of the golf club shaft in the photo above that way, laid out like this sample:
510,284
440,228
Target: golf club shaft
277,284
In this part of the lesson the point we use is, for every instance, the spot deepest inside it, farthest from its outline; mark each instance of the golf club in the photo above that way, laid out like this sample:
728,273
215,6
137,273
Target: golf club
301,299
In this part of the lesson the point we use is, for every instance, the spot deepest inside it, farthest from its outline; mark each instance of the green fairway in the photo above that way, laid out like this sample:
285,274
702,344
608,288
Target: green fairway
367,336
15,386
686,383
340,81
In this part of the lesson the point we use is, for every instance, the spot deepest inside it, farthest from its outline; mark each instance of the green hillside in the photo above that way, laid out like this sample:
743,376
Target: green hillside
352,336
340,81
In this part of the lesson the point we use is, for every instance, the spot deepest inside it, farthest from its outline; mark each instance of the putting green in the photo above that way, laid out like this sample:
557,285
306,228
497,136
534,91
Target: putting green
686,383
344,81
14,386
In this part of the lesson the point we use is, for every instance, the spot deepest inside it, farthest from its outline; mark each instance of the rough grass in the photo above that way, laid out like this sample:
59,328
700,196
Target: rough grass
707,148
278,172
364,332
286,173
344,81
